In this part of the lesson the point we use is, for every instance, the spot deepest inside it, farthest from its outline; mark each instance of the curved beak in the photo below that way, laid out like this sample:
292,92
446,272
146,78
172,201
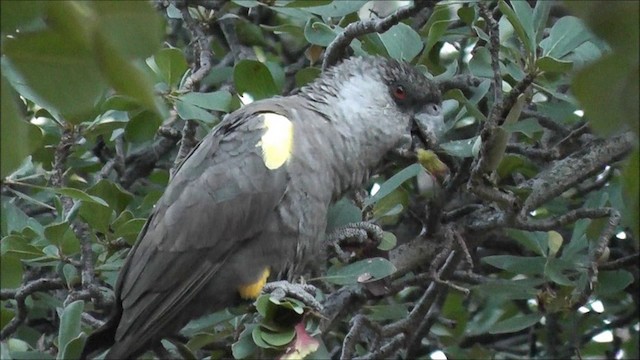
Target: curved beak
428,124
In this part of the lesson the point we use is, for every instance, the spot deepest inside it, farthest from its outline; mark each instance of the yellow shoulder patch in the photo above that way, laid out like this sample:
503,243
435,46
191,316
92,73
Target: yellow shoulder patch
251,291
277,141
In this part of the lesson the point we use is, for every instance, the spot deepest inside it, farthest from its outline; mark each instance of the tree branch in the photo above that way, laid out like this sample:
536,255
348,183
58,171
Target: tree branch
336,49
20,295
205,55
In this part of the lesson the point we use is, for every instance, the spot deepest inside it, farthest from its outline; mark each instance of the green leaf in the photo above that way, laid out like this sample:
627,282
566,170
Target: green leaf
256,335
126,76
402,42
120,103
19,14
390,206
119,21
308,3
218,100
11,274
535,241
244,347
394,182
517,264
520,18
142,127
514,163
306,75
565,36
280,338
388,242
76,194
63,237
529,127
467,14
15,220
342,213
54,72
6,315
54,232
556,270
246,3
525,16
170,65
540,18
19,247
70,275
16,346
515,323
555,241
612,282
608,92
436,31
254,77
337,8
480,63
552,65
459,148
19,138
386,312
471,104
360,271
69,325
189,111
173,12
318,33
523,289
130,230
97,216
116,197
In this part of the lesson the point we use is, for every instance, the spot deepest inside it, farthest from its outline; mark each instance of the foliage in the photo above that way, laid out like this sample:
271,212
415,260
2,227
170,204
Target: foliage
524,186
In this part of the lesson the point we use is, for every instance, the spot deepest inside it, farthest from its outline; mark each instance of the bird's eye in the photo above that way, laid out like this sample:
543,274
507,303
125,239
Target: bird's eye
399,92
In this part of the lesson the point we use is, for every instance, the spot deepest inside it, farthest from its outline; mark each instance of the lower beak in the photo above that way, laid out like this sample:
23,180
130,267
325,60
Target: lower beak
428,127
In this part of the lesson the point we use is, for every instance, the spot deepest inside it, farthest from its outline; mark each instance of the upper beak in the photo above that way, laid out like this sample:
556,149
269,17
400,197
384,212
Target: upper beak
429,124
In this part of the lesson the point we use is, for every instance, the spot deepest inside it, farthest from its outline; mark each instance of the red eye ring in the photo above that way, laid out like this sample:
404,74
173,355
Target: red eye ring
399,92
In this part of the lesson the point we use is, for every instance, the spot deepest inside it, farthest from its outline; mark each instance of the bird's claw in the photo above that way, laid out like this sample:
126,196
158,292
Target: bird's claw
303,292
360,234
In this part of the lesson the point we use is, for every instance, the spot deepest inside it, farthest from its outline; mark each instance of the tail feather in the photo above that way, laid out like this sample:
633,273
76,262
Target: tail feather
102,338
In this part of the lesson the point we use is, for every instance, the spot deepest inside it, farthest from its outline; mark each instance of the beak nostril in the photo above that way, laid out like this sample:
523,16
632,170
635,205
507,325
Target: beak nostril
433,109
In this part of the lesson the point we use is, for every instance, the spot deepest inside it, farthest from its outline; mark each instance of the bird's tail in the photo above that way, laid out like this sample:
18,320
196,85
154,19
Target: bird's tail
102,338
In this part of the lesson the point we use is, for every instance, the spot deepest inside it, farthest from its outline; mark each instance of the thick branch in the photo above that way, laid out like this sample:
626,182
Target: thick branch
20,295
575,168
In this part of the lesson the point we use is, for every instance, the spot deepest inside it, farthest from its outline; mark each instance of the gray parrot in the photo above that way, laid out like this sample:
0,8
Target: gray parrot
250,201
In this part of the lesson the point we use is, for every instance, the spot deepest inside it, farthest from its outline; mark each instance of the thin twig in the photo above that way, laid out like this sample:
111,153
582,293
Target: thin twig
631,260
386,350
546,122
425,302
335,50
494,51
415,341
205,56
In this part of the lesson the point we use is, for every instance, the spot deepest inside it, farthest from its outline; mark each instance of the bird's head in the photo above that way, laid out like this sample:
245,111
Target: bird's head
388,92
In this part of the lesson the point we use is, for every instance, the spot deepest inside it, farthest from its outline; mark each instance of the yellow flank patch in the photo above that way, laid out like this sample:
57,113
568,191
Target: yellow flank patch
251,291
277,141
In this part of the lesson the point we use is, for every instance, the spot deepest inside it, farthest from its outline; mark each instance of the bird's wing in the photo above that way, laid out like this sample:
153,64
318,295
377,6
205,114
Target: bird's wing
219,197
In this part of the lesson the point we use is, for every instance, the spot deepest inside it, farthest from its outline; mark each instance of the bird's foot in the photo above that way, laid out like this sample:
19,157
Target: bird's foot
359,235
303,292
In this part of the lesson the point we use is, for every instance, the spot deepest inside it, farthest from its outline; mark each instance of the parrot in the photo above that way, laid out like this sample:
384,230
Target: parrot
250,201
